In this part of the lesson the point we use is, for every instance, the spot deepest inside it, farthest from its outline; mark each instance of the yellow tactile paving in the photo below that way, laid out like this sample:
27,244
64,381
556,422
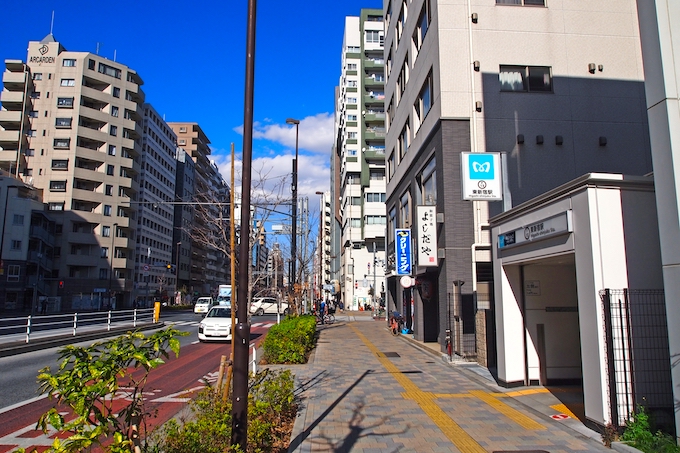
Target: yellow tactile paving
562,409
508,411
425,400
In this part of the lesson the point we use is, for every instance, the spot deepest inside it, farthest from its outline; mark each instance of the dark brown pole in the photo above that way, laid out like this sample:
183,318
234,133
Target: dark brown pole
241,333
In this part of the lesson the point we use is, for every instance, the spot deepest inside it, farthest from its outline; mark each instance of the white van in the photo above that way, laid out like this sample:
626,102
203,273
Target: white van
203,304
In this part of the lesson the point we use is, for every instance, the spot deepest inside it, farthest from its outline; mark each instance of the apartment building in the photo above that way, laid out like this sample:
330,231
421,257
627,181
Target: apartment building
156,250
549,94
359,161
184,218
209,240
77,137
324,252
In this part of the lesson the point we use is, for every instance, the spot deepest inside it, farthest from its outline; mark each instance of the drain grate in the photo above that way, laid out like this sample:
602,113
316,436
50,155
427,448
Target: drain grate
391,354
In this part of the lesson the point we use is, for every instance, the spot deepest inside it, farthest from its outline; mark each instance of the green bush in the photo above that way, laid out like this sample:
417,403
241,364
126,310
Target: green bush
638,434
290,341
271,409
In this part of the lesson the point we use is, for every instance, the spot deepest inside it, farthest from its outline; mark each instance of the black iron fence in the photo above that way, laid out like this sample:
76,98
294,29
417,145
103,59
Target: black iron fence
638,359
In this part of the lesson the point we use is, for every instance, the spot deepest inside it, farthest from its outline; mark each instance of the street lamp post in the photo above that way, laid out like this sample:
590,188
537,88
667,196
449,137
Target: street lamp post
293,243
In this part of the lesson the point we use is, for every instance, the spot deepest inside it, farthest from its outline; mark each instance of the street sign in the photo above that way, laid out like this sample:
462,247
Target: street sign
403,251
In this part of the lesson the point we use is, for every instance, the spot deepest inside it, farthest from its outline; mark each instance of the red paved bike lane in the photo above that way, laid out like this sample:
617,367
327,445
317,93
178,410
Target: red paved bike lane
167,391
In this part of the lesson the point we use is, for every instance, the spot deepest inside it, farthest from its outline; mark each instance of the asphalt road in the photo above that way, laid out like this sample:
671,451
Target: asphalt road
168,388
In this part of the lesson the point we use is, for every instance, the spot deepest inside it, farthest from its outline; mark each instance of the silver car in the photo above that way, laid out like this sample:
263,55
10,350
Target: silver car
261,305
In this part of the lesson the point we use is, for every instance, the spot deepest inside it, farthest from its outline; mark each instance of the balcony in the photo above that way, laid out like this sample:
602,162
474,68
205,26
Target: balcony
89,175
87,195
14,80
9,139
10,118
374,98
12,100
372,153
374,133
374,63
373,82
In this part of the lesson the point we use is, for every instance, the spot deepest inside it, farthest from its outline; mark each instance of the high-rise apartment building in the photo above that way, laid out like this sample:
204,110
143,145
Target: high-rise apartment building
77,136
493,78
156,250
209,260
359,161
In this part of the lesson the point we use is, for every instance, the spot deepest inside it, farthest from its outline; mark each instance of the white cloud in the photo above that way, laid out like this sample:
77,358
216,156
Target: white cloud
315,133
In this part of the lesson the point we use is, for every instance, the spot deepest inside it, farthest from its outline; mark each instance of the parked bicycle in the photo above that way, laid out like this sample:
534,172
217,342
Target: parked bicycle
327,318
396,323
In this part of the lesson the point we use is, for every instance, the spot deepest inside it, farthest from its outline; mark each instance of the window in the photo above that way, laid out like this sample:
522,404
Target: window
114,111
351,135
376,220
103,274
68,62
351,66
113,130
30,152
35,95
62,143
13,273
33,114
403,141
55,206
57,186
352,83
421,28
18,219
108,70
107,210
65,103
109,169
351,100
391,165
37,76
353,179
351,117
112,150
352,152
404,210
116,92
355,223
16,244
105,252
428,183
423,102
375,197
355,201
68,82
32,133
182,142
63,123
377,175
521,2
59,164
108,190
525,78
106,231
90,64
373,37
182,129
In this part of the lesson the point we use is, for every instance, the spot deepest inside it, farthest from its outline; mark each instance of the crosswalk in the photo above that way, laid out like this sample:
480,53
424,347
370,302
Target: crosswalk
195,323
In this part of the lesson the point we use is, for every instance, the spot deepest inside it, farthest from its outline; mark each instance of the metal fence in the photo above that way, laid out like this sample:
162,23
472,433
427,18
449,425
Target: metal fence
34,327
638,358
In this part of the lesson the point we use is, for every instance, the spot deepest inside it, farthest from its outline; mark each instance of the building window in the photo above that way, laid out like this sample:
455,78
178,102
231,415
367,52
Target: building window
33,114
37,76
63,123
375,197
392,224
423,102
114,111
107,210
109,169
16,244
403,141
351,100
108,70
182,142
182,129
525,78
108,190
351,117
373,37
105,252
106,231
355,223
377,175
351,135
391,165
421,28
90,64
13,273
18,219
353,179
351,66
35,95
376,220
68,62
103,274
62,143
57,186
113,130
55,206
59,164
355,201
68,82
521,2
428,183
352,83
351,152
65,103
29,152
32,133
112,150
115,92
405,210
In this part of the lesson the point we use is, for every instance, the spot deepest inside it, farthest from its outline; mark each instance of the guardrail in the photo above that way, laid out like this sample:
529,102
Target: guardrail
33,327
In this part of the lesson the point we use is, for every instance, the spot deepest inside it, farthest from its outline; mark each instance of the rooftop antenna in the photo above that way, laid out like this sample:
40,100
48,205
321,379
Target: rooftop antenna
114,55
97,48
52,23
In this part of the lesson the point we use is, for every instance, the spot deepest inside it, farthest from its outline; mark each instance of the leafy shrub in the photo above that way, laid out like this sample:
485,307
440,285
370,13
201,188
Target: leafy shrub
271,410
290,341
638,434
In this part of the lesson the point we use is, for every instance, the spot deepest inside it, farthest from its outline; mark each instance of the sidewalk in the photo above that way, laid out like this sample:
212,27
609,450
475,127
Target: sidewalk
367,391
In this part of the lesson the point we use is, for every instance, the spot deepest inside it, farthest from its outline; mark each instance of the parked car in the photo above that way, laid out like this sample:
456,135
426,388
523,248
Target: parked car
216,325
203,304
261,305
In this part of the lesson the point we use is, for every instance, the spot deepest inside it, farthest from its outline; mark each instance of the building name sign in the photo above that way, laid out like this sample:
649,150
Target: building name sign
427,235
39,60
552,226
403,251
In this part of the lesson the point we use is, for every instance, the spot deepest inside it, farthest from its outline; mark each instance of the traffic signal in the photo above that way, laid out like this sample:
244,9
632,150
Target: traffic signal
61,284
169,266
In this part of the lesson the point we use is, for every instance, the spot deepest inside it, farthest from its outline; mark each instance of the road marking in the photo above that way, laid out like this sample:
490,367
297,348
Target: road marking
513,414
462,440
562,409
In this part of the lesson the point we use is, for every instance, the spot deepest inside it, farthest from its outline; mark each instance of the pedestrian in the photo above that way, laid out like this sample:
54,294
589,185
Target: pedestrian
322,310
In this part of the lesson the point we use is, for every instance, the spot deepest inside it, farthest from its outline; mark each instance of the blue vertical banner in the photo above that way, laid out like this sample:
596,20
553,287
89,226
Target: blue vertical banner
403,251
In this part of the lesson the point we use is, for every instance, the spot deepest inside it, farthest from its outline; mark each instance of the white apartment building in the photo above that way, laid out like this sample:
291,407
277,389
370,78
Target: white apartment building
359,162
557,91
81,143
155,269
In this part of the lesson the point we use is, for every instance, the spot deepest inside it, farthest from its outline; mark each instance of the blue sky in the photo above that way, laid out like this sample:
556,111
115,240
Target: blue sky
191,56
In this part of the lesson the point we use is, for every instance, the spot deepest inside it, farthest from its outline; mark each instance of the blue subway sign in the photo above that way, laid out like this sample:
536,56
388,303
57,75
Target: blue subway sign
403,251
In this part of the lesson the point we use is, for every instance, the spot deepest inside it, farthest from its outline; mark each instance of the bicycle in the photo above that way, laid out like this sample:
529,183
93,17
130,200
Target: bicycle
396,323
327,318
